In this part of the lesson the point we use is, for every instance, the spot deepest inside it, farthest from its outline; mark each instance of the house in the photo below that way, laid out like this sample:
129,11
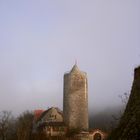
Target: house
50,122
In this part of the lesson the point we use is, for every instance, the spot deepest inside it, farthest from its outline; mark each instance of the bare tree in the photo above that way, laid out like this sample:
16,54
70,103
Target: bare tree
116,118
4,124
124,98
24,126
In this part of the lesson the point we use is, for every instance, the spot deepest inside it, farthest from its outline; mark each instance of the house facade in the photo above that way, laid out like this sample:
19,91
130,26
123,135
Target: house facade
50,122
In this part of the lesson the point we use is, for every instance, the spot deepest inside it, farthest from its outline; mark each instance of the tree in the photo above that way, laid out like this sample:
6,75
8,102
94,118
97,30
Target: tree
129,125
4,124
24,126
116,117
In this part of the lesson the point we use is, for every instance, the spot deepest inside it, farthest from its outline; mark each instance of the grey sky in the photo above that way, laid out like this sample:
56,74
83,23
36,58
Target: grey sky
41,39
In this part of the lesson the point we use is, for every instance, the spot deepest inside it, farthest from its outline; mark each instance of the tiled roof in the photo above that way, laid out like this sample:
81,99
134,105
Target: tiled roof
37,114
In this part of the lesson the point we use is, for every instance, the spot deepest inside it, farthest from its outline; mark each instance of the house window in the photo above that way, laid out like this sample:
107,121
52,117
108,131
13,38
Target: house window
48,128
61,128
55,128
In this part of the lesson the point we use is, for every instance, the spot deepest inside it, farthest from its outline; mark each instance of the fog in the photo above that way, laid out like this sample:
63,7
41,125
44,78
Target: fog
40,40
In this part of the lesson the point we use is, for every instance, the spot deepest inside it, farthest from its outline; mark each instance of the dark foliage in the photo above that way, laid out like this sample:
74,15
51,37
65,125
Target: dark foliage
129,126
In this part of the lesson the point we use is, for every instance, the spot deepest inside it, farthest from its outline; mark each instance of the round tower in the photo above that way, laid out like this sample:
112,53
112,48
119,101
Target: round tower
75,99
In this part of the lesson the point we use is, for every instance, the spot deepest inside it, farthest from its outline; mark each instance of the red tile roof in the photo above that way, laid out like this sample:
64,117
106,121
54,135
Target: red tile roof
37,114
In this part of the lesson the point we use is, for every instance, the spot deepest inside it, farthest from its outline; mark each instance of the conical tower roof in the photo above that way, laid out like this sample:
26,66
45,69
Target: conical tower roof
75,68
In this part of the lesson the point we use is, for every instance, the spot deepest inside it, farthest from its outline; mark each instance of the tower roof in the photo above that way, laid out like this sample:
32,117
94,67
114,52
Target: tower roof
75,68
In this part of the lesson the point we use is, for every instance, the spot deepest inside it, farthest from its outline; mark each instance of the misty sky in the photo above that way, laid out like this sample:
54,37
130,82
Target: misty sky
41,39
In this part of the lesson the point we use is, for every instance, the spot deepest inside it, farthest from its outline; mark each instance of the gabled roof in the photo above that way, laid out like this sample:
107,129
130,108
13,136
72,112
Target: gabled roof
46,111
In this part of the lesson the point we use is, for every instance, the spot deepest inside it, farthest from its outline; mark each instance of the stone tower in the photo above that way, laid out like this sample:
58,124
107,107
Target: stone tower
75,99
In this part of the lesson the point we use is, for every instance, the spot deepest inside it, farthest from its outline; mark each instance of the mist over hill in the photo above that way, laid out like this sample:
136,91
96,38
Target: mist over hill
106,119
